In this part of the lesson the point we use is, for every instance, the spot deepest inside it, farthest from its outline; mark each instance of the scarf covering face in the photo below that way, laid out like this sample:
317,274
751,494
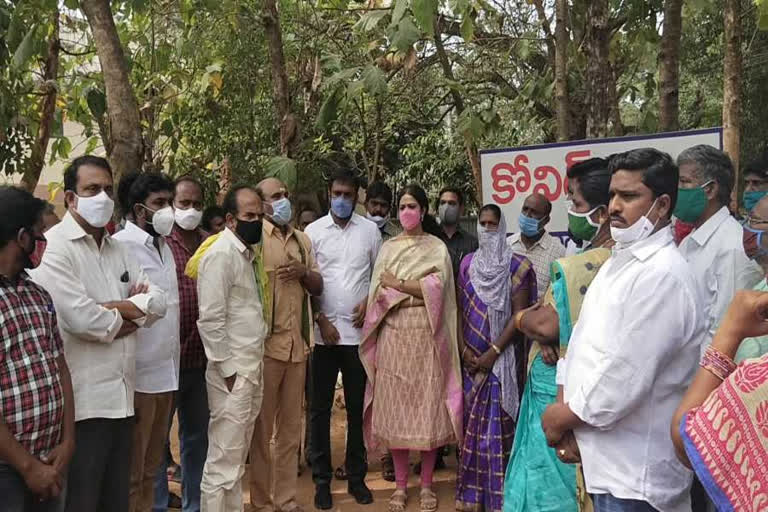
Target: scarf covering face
490,277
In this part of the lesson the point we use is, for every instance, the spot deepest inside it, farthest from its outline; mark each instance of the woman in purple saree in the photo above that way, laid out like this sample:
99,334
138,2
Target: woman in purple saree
493,285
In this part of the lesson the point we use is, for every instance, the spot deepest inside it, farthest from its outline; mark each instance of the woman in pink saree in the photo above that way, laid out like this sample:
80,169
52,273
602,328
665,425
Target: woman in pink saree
720,429
413,398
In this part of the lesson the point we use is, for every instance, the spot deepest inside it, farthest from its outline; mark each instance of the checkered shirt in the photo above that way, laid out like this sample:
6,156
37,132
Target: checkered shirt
31,397
192,351
545,251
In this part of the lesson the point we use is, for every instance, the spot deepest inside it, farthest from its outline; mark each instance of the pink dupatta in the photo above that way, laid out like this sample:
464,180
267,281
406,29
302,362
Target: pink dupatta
426,259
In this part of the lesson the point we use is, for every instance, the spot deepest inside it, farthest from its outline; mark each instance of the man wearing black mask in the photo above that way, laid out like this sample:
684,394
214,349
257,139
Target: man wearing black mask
232,326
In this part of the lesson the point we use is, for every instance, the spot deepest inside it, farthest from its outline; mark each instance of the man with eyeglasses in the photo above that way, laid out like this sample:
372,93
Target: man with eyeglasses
756,248
755,181
292,276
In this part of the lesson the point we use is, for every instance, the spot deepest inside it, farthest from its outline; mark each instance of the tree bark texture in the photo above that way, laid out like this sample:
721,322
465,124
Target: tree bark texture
122,107
47,109
732,94
598,76
562,103
469,144
669,66
289,126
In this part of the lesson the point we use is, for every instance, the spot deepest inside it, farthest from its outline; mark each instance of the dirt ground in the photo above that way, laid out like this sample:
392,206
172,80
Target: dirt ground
444,480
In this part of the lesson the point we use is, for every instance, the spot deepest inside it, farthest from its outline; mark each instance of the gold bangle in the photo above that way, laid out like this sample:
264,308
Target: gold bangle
496,349
519,319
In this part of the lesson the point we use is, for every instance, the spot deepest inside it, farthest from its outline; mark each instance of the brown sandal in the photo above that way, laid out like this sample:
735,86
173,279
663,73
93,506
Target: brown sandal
398,501
428,500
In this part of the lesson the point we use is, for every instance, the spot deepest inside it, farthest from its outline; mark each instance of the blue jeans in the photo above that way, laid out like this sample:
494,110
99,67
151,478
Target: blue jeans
607,503
16,496
192,407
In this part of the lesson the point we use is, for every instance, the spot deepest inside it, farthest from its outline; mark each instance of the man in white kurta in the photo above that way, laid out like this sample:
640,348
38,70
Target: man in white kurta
102,297
232,329
714,249
147,198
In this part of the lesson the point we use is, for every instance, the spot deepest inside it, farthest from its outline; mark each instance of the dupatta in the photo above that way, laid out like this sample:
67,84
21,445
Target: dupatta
425,259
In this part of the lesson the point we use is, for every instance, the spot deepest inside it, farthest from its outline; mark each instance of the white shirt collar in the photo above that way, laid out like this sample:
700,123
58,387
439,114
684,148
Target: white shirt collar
71,230
233,239
137,235
330,223
702,234
646,248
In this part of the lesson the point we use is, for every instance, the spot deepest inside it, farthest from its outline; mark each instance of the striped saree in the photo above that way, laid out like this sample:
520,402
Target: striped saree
489,429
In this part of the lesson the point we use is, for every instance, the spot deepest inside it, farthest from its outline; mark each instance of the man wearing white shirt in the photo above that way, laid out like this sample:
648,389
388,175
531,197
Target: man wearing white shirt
146,205
633,352
232,329
102,296
714,249
346,246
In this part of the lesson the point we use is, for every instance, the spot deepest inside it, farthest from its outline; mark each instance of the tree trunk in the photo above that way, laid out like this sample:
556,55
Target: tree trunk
598,68
669,66
47,109
562,102
469,144
122,107
289,126
614,112
732,78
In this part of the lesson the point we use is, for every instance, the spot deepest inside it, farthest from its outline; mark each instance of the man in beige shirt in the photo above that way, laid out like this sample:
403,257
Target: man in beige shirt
293,275
232,329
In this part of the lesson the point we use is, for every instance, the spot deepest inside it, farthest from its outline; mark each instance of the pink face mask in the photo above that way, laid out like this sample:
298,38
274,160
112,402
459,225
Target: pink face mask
410,218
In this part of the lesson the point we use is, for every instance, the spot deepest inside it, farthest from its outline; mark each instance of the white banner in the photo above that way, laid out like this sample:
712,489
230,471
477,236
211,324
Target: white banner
511,175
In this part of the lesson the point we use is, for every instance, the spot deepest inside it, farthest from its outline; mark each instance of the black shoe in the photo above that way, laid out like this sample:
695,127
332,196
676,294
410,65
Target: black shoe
323,499
361,493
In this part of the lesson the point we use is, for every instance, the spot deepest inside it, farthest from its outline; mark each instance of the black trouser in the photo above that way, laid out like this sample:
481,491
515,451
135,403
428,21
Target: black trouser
100,471
327,361
16,496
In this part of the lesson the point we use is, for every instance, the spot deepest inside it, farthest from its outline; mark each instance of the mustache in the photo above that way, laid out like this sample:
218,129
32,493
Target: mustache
618,218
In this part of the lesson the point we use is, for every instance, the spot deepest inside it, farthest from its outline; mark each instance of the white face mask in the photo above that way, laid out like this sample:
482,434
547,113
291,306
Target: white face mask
637,232
380,221
97,210
188,219
163,220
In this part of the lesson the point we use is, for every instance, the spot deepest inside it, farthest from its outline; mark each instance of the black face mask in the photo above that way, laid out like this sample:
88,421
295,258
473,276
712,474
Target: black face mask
250,232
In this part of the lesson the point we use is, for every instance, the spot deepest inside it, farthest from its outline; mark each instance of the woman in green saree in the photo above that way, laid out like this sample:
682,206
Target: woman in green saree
538,479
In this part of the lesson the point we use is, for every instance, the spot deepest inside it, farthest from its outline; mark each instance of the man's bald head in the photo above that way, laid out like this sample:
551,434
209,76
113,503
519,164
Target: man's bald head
271,189
537,206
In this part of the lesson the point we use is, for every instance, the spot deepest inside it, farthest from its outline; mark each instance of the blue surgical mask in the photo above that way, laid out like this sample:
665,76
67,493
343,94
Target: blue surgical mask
528,225
281,211
342,207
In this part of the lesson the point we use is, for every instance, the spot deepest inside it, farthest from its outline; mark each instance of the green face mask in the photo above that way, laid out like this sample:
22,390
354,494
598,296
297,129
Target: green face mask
581,225
691,203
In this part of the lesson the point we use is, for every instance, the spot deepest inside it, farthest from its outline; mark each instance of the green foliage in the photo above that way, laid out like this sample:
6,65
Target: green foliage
366,86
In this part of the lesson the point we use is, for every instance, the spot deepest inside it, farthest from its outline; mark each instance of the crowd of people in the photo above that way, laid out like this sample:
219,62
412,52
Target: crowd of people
589,378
